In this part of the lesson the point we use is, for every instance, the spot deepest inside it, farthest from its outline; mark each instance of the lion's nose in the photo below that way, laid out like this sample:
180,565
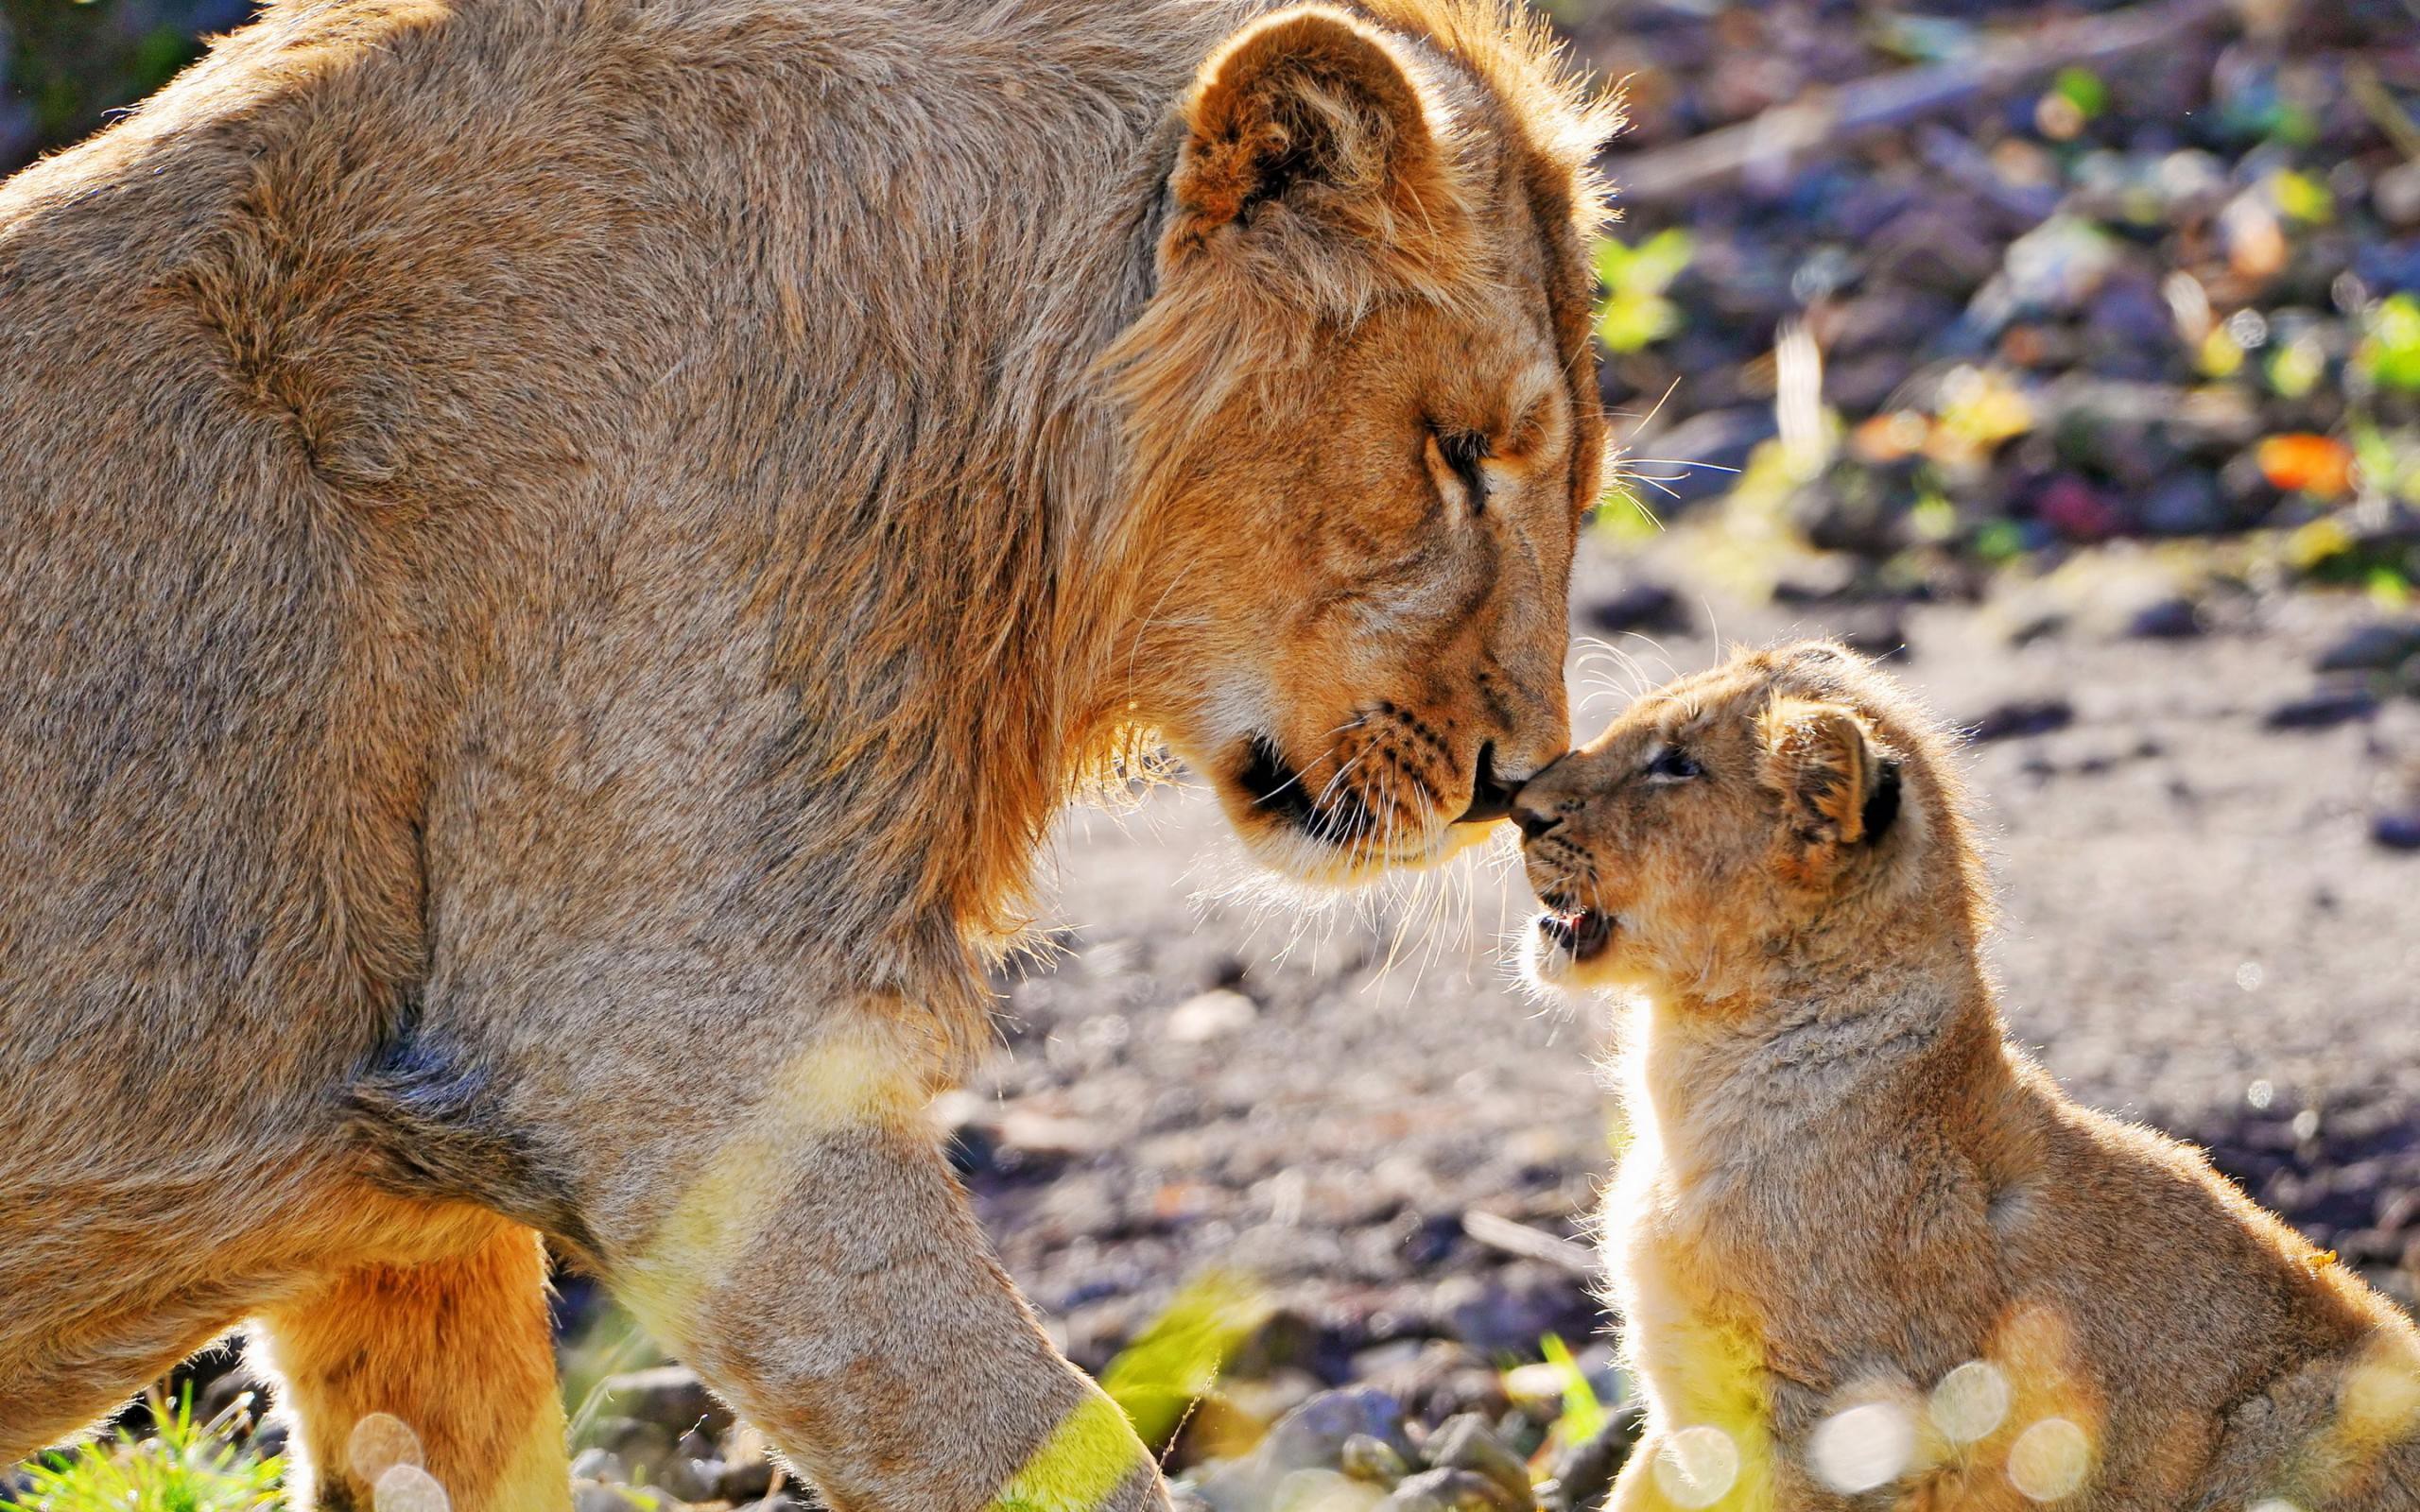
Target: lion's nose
1491,796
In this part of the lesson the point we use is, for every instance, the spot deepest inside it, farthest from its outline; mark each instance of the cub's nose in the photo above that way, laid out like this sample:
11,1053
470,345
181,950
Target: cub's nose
1533,822
1491,796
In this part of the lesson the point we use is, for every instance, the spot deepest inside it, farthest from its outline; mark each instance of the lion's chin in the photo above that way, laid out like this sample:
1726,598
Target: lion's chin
1346,859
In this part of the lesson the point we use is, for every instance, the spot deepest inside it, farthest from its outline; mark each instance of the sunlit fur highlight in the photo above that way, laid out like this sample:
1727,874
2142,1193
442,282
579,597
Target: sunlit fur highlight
560,558
1845,1184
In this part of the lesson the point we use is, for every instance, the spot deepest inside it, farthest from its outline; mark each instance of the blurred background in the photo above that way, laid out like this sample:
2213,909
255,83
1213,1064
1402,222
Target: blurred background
2069,355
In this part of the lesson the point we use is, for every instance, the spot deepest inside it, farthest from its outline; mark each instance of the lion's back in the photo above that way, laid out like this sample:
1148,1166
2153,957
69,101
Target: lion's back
362,336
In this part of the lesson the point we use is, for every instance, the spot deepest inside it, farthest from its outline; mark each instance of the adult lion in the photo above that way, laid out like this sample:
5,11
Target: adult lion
557,556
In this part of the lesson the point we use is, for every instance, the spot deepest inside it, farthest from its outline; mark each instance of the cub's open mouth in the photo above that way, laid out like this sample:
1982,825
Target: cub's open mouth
1576,930
1339,818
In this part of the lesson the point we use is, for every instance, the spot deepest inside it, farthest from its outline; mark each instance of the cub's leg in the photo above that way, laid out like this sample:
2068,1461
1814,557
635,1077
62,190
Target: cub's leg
445,1364
1705,1479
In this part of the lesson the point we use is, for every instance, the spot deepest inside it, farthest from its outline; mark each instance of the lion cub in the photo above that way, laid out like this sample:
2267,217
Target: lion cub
1867,1253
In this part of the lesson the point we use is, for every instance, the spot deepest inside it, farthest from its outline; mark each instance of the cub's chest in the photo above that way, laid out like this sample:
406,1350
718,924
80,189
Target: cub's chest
1691,1303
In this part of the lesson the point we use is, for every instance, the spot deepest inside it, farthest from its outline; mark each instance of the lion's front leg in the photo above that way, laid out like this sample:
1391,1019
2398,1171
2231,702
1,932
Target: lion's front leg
866,1328
817,1262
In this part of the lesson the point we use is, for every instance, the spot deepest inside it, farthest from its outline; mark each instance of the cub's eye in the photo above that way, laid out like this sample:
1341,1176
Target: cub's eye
1669,763
1463,452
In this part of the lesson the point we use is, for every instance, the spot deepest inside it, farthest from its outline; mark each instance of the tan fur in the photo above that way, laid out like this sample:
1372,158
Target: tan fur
1866,1254
559,557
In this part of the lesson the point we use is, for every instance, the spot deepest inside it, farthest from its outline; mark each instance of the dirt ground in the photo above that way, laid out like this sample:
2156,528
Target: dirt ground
2197,930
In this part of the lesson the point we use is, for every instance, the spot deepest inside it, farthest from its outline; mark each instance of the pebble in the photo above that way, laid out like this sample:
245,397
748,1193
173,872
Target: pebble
670,1396
1642,607
2323,709
592,1496
2167,619
640,1444
2186,504
1583,1473
2397,830
1453,1490
1311,1437
1211,1016
1510,1310
690,1479
1699,457
1323,1490
2021,718
745,1480
1466,1443
1435,1380
598,1465
1315,1432
2379,648
2397,194
1365,1458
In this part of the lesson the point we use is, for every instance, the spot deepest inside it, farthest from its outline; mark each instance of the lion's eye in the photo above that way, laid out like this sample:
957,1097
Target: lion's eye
1463,452
1672,764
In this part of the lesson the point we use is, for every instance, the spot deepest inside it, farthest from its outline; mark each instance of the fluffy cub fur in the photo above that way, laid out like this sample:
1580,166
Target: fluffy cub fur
1867,1254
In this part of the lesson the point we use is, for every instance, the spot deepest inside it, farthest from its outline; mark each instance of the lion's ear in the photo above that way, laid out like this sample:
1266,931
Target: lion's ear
1840,790
1308,121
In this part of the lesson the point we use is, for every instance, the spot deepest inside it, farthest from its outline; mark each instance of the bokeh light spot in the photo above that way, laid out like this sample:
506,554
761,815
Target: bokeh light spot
2275,1503
378,1443
2049,1459
1697,1467
408,1488
1862,1447
1970,1402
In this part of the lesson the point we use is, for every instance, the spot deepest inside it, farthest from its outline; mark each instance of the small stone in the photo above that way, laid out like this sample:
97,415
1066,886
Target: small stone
2021,718
1312,1436
745,1480
1510,1309
639,1444
1583,1473
2397,194
1323,1490
2186,504
1465,1443
2075,509
2397,830
2381,647
669,1395
1314,1432
2323,709
690,1479
1284,1337
597,1498
1640,607
1365,1458
598,1465
1453,1490
2168,619
1699,457
1210,1016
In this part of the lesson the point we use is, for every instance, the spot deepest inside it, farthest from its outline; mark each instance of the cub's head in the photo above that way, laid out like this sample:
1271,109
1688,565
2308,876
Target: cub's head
1794,808
1364,427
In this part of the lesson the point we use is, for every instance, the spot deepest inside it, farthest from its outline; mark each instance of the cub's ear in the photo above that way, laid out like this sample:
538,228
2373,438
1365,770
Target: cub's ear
1308,123
1840,789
